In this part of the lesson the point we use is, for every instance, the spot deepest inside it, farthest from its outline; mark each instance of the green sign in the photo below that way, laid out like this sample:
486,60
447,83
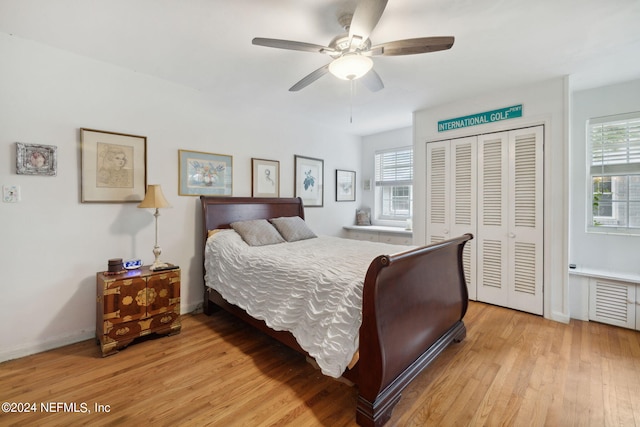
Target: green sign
480,118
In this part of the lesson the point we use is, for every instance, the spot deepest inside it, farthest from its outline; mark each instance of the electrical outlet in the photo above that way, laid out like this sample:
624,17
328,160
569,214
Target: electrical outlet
11,193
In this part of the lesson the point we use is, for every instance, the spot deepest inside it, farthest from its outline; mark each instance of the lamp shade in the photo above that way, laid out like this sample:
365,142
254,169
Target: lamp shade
154,198
350,66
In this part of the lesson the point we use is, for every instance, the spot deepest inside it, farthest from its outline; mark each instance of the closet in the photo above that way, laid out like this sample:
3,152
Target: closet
491,185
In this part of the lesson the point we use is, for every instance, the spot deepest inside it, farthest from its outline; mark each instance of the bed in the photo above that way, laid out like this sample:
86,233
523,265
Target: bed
413,303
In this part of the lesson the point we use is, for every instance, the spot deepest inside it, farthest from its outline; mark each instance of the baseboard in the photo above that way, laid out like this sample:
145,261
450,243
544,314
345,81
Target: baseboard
193,308
560,317
38,347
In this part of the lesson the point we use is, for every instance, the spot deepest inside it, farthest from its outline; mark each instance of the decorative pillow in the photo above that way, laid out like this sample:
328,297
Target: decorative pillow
292,228
257,232
363,216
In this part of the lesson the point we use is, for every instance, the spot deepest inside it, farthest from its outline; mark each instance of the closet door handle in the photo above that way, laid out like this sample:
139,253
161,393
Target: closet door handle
512,235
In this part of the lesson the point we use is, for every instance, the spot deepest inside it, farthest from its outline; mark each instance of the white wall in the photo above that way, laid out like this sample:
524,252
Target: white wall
543,103
52,245
617,254
397,138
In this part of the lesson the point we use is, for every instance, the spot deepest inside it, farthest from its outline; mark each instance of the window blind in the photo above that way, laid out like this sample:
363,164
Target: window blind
615,144
394,167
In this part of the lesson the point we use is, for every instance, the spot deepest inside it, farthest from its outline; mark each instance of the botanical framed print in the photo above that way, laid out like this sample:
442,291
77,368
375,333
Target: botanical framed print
205,174
36,159
345,186
309,177
265,178
114,166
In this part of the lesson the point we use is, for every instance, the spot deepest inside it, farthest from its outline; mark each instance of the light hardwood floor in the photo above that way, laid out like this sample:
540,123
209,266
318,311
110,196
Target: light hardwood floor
513,369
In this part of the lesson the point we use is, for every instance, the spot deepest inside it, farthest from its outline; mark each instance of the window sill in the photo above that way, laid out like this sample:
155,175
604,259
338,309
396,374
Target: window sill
379,229
605,275
614,231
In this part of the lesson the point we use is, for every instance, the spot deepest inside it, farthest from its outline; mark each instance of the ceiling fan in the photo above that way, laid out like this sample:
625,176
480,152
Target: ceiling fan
351,51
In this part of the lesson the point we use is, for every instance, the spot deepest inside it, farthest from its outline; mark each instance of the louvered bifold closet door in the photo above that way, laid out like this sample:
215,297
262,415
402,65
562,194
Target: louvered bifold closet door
463,202
492,240
525,231
438,194
451,198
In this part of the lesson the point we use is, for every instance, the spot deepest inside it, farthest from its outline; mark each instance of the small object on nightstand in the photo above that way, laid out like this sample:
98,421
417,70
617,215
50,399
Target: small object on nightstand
115,266
167,267
134,304
132,264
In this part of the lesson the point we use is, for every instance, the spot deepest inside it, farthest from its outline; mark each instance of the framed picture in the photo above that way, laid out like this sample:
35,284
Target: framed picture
205,174
265,178
345,186
309,177
34,159
114,166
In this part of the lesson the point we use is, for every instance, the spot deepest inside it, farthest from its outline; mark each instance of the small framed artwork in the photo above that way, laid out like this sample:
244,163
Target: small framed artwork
36,159
205,174
345,186
309,177
265,178
114,166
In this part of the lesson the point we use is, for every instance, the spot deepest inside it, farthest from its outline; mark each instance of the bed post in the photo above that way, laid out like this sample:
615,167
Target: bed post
206,304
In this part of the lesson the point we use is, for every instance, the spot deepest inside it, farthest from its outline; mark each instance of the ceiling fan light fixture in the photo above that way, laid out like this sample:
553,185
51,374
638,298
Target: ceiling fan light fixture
351,66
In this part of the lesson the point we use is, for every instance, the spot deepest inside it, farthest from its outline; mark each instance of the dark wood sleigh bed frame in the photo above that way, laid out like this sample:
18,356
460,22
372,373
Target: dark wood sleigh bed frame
412,306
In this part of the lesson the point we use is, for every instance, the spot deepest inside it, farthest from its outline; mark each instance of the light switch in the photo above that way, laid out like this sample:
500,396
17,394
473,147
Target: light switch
11,193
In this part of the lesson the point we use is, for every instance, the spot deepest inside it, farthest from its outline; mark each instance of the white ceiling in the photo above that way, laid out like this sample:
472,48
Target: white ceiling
206,45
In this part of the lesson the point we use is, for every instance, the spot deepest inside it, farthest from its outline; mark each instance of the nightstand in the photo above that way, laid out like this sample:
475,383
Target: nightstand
134,304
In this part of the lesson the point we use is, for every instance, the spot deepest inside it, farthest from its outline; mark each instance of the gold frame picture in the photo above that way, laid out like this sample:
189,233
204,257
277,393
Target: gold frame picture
207,174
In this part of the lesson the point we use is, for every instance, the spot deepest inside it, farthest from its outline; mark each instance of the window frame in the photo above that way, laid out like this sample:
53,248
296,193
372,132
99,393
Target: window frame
621,159
397,179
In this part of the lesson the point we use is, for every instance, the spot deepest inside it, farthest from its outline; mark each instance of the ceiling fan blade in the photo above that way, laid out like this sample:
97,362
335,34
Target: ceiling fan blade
372,81
310,78
413,46
291,45
365,18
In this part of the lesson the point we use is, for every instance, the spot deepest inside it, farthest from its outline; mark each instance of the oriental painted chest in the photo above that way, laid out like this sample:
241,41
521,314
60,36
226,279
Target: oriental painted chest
136,303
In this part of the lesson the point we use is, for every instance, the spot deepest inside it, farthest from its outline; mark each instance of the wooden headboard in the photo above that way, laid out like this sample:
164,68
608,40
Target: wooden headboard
219,212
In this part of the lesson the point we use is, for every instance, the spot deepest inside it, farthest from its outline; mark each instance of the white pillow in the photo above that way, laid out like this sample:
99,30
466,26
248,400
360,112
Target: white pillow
292,228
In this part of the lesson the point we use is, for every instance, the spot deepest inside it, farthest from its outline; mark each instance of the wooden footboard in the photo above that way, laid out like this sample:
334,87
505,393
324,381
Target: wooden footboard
413,305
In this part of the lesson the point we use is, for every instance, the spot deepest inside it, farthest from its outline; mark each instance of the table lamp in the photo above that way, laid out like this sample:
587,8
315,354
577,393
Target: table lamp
155,199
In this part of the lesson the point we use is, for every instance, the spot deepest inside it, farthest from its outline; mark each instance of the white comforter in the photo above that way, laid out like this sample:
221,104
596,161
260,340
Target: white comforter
311,288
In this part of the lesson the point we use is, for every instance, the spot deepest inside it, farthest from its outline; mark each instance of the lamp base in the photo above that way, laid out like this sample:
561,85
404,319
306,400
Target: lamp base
157,264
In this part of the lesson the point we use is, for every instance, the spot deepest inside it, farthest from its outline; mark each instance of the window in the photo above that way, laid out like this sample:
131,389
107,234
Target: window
394,184
614,174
